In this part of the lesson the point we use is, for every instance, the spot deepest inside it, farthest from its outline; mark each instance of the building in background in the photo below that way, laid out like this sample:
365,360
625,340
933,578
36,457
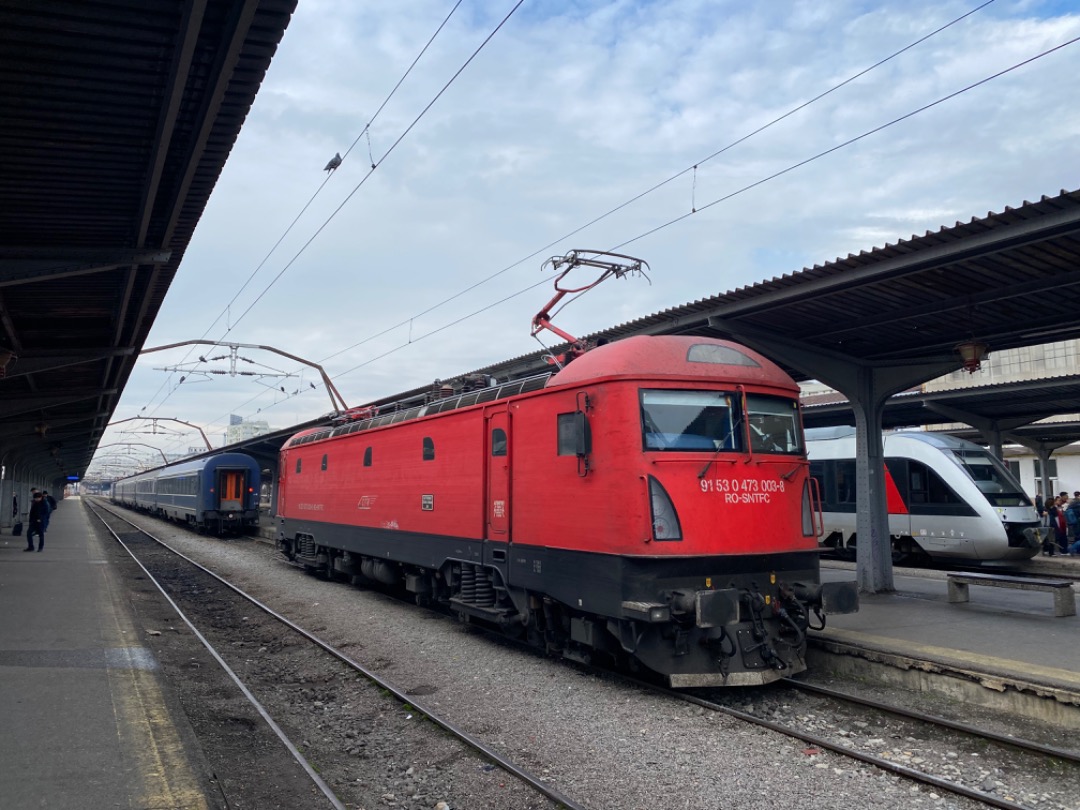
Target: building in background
239,430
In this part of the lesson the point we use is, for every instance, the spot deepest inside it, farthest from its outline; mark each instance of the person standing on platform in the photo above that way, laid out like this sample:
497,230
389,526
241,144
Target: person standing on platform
1072,521
50,502
1062,527
39,515
1050,513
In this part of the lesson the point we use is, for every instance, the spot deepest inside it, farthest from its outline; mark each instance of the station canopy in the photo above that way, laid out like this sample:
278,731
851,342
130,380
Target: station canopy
117,120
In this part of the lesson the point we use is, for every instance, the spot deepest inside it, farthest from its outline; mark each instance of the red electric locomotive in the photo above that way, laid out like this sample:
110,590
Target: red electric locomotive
650,502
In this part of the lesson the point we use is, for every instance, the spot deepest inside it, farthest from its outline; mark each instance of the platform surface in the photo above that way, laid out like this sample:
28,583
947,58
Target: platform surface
1000,631
86,721
82,708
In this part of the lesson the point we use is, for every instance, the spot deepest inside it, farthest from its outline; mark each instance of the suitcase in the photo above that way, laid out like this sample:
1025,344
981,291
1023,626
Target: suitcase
16,530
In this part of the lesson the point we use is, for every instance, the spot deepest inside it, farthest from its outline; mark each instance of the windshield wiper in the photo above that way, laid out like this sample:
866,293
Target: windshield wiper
720,449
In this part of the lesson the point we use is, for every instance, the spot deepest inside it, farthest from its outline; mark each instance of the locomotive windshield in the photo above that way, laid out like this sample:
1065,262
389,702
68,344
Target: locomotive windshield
690,420
712,420
992,478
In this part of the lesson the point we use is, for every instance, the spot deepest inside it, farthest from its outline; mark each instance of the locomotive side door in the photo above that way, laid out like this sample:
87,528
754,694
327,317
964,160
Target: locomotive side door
497,496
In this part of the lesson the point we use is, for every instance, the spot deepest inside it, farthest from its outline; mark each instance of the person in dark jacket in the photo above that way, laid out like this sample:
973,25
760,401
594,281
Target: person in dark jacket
1072,521
39,515
50,501
1052,543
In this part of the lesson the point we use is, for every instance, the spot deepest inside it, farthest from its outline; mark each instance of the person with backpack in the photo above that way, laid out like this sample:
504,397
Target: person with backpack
1072,521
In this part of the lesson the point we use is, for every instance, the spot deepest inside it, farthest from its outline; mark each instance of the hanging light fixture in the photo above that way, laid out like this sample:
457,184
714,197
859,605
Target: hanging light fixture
972,353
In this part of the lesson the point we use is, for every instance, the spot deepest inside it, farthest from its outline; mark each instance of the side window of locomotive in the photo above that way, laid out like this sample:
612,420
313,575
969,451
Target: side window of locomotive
706,421
323,461
567,441
367,456
498,442
298,465
774,424
429,449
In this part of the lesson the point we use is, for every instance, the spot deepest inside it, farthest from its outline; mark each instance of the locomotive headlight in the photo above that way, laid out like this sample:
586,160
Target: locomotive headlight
665,521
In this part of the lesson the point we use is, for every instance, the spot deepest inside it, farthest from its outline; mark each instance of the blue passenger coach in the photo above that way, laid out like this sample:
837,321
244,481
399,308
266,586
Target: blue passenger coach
219,494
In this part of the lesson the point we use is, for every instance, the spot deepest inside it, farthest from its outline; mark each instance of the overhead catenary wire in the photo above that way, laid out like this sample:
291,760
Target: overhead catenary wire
762,181
739,191
595,220
666,181
365,131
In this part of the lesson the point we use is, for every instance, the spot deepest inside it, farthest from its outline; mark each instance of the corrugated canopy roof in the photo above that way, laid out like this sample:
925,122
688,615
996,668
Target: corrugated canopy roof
908,302
117,120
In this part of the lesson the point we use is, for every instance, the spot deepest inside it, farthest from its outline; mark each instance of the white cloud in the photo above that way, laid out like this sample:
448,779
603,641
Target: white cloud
570,111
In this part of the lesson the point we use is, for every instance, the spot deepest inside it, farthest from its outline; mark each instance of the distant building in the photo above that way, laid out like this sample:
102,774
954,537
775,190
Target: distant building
239,430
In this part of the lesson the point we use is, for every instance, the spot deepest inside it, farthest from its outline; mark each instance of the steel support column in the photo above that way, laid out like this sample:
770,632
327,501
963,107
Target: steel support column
867,387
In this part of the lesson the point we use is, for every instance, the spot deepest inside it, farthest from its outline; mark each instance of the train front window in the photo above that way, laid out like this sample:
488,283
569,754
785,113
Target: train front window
704,421
992,478
774,424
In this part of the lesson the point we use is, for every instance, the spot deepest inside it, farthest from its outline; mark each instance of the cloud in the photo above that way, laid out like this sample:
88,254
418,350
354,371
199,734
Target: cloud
571,110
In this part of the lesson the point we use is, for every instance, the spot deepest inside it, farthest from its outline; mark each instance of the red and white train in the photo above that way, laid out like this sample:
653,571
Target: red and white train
649,502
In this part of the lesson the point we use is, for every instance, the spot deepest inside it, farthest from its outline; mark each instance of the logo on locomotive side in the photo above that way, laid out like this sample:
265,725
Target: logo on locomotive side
366,501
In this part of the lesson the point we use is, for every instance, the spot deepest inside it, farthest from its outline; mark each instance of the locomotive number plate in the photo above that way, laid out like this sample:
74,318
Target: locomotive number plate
427,503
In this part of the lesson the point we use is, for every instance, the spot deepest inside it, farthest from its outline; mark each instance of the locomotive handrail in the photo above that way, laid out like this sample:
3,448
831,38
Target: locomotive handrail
815,506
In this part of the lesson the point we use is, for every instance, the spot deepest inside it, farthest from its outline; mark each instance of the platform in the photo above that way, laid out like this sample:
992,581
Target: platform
1005,640
86,721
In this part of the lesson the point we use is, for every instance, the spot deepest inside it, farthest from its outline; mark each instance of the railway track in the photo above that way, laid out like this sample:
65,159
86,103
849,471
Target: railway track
904,746
898,739
214,609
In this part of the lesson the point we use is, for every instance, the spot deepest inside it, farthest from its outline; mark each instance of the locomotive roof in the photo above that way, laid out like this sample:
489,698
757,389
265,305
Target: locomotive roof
674,357
662,357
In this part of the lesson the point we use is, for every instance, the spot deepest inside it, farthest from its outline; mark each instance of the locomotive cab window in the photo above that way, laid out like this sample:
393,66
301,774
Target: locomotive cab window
367,456
705,421
774,424
429,449
298,465
324,461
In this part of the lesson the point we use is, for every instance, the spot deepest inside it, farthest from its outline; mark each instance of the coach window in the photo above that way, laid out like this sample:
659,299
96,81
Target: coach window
298,465
928,488
429,449
367,456
845,482
324,461
498,442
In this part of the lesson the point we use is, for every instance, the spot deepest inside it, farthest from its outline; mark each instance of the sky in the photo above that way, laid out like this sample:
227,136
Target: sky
421,269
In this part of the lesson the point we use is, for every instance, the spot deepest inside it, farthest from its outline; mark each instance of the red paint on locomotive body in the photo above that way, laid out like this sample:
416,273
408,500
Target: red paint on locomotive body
644,471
